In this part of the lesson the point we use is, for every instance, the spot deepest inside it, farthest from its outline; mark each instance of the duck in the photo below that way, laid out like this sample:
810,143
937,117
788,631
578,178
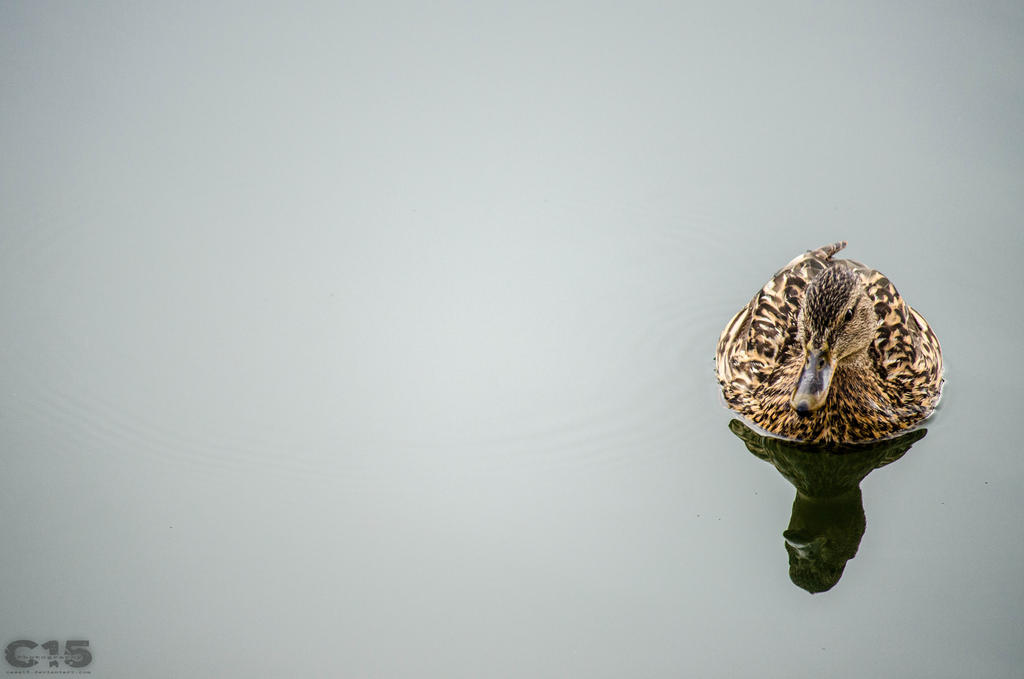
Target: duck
828,352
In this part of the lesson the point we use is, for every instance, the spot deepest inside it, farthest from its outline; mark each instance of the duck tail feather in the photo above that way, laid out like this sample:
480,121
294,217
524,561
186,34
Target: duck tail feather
827,251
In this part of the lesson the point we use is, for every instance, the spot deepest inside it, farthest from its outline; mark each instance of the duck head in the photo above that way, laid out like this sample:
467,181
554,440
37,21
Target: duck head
836,323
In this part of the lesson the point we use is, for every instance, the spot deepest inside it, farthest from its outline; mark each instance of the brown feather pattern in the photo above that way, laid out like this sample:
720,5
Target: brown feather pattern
759,357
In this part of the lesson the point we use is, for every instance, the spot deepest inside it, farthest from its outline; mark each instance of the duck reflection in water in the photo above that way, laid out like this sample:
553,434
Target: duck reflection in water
828,513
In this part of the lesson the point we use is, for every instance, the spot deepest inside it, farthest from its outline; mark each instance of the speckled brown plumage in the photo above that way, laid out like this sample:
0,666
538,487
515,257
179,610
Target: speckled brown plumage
893,385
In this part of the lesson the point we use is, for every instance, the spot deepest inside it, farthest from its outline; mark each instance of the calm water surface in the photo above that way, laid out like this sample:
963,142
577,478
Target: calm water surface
377,341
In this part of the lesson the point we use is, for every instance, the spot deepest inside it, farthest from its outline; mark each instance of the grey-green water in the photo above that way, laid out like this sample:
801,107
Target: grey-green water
375,340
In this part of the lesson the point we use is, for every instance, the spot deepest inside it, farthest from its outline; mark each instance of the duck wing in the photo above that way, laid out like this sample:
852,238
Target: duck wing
906,352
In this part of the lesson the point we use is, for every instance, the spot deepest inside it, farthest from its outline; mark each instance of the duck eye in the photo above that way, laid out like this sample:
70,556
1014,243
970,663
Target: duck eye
849,315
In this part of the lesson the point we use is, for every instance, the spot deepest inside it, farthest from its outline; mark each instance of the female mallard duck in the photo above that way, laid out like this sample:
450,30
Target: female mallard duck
827,351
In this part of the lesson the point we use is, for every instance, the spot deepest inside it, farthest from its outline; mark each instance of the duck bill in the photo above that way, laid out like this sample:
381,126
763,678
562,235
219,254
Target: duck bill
803,544
815,379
